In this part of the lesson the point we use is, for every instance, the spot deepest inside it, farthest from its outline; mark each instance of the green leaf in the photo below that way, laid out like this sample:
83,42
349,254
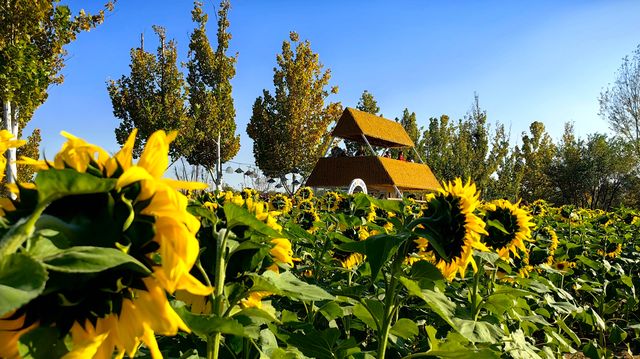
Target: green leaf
331,311
238,216
405,328
617,335
589,262
206,325
361,312
455,346
489,257
42,343
53,184
563,326
477,331
627,281
437,301
378,250
87,259
387,205
425,270
286,284
498,303
590,350
22,279
323,344
496,224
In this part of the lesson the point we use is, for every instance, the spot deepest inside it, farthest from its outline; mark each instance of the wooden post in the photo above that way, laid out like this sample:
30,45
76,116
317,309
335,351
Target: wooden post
368,144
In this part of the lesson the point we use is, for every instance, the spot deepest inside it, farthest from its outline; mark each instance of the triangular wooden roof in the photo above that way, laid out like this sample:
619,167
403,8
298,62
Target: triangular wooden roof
377,172
378,130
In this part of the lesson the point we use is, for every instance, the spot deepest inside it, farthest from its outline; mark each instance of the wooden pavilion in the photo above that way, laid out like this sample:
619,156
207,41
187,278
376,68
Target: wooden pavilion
379,173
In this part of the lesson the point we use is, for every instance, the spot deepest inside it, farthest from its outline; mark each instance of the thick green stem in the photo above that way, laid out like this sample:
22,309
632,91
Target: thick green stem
20,232
389,305
213,348
474,293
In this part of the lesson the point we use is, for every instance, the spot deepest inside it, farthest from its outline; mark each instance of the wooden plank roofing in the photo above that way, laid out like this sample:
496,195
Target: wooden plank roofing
378,130
379,173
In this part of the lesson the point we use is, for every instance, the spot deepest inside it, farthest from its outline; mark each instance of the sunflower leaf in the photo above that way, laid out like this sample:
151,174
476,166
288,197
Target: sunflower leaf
206,325
286,284
88,259
238,216
53,184
378,249
496,224
22,279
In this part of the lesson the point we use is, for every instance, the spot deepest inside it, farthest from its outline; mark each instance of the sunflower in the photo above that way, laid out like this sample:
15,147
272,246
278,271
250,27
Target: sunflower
304,193
612,254
160,234
563,266
351,260
306,219
280,202
254,299
305,205
515,228
249,193
282,252
332,201
419,251
12,326
538,207
452,217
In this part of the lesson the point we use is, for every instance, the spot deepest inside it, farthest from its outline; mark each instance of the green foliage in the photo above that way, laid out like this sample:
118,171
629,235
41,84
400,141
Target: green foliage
288,127
32,40
537,153
21,279
620,104
209,86
33,36
468,149
367,103
152,97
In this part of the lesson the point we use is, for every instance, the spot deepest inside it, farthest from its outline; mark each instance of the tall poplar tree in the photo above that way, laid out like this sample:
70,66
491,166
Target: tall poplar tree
410,125
288,128
210,103
33,34
152,97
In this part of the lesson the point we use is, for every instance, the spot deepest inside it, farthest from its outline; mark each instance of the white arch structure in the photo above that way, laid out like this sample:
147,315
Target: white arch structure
357,183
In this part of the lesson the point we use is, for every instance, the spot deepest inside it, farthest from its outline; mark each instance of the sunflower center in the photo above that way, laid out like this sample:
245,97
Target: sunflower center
455,247
497,238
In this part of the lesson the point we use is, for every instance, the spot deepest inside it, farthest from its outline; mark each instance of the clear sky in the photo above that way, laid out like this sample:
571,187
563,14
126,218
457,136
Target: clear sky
528,60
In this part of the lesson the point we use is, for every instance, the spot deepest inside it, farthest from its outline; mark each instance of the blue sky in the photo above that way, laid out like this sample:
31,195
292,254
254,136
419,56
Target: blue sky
528,60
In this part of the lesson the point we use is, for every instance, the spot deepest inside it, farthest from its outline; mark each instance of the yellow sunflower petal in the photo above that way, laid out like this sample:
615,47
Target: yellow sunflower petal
155,156
86,349
132,175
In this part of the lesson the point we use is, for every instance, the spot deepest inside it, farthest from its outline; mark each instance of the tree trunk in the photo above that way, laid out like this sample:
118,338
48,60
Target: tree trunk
11,126
219,166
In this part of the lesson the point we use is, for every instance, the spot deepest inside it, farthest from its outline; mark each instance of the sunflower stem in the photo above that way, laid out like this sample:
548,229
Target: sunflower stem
389,304
476,280
213,350
21,232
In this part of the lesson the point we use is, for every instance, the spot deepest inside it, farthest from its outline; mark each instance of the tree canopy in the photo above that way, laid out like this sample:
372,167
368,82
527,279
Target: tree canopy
210,102
620,103
152,96
288,128
33,34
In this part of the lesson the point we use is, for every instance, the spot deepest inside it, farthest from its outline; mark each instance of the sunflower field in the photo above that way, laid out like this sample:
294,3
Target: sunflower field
101,257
